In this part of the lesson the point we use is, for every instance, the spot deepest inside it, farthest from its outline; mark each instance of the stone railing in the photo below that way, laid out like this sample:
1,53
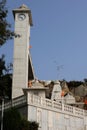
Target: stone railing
56,106
15,102
45,103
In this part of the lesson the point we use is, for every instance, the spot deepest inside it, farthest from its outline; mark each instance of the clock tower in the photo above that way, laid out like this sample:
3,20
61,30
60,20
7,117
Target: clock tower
22,67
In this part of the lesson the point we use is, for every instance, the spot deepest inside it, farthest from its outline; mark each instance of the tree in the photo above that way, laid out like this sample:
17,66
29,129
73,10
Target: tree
85,80
5,79
14,121
2,65
5,32
74,83
28,125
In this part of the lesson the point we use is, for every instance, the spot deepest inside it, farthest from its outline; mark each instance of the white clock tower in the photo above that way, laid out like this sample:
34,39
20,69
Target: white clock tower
22,67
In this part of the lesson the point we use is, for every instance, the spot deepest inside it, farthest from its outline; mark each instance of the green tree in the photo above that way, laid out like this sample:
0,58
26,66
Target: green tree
5,79
28,125
5,32
2,65
74,83
33,125
14,121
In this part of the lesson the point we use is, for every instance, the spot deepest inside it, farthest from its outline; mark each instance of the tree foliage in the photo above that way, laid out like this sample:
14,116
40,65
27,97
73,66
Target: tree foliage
74,83
14,121
5,32
5,79
2,65
28,125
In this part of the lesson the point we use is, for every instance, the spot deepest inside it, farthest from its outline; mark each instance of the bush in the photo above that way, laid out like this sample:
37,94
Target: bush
28,125
33,125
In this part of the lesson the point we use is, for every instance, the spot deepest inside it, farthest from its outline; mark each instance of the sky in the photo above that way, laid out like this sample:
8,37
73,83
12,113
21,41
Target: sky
58,38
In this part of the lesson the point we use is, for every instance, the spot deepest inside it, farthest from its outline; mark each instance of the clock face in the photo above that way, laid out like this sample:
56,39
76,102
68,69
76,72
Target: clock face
21,17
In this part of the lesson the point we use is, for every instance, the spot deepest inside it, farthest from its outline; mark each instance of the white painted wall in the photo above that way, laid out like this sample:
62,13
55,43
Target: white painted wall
51,117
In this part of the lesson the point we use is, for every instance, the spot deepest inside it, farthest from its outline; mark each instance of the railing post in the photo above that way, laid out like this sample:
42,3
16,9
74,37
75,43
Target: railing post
84,113
41,101
52,103
62,107
73,110
29,98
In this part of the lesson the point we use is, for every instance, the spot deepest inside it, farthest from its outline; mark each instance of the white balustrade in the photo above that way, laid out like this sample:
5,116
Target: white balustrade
15,102
46,103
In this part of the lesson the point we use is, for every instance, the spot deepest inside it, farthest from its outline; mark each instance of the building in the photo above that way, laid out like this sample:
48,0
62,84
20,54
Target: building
28,94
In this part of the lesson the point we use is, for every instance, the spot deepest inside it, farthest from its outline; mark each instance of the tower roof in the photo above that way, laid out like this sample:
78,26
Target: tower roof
24,9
